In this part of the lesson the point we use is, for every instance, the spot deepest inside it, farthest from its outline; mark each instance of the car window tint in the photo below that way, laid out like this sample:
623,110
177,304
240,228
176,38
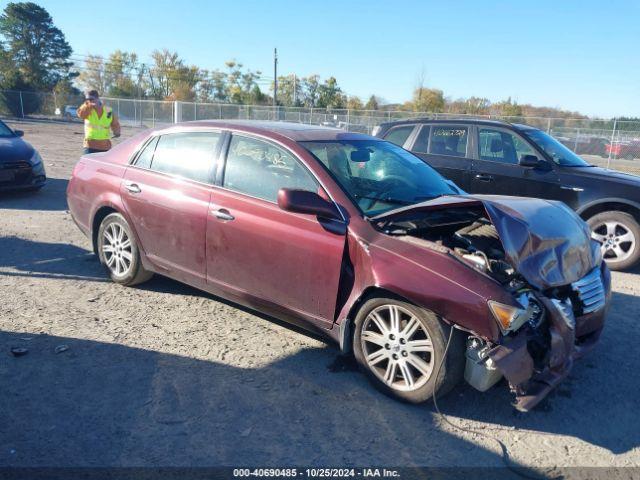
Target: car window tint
188,155
449,140
422,142
501,146
399,135
146,155
260,169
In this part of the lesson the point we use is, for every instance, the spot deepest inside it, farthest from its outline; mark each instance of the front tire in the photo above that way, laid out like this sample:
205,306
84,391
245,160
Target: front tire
400,346
118,251
619,234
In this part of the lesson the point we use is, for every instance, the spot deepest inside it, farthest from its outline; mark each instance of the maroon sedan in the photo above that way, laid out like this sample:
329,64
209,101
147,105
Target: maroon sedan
358,239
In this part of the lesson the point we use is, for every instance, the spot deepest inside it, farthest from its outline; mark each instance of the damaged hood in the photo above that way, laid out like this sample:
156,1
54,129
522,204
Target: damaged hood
545,241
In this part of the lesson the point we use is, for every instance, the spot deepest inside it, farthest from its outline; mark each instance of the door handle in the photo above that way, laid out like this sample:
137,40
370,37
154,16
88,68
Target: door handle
484,178
132,187
223,214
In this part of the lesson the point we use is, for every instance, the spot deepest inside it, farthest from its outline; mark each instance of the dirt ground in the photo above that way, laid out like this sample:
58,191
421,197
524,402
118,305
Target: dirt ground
165,375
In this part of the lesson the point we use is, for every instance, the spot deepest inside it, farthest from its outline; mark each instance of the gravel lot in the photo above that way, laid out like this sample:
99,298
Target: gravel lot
165,375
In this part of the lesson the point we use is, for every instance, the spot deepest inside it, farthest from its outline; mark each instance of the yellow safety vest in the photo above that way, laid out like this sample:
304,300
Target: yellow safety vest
97,128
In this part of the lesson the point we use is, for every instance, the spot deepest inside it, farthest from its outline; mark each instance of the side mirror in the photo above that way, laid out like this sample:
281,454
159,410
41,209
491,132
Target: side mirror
303,201
18,133
532,161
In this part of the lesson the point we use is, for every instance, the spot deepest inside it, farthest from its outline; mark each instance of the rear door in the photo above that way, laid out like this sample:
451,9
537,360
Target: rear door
496,169
446,148
166,193
255,249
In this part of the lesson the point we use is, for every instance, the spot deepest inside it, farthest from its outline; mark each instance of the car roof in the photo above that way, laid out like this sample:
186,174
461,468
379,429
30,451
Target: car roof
470,121
293,131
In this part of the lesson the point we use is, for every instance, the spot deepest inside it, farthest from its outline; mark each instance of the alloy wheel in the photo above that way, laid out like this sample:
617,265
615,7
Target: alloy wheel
397,347
117,249
618,241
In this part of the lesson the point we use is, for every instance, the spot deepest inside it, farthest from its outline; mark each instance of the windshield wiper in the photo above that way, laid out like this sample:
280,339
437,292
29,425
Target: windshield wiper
397,201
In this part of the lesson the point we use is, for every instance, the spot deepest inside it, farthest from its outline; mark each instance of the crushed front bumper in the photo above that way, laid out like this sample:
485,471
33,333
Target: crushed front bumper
570,338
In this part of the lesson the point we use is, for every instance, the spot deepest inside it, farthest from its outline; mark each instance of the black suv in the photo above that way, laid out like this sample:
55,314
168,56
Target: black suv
484,156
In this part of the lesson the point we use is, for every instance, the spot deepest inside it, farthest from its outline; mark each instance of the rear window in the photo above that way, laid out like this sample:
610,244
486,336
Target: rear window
189,155
449,140
399,135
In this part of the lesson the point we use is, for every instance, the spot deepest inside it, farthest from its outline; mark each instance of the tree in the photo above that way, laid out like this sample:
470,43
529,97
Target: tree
242,86
289,91
426,100
171,78
35,47
212,87
471,105
310,90
330,95
120,75
372,103
92,75
354,103
509,108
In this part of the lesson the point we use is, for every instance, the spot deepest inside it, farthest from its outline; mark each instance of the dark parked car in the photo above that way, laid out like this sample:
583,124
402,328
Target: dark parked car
358,239
483,156
21,167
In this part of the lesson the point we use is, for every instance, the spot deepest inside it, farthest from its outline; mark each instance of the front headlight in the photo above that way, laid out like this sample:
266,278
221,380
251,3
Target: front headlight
509,318
35,158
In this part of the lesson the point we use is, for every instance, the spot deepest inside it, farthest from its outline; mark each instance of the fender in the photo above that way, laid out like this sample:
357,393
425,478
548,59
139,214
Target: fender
466,305
601,201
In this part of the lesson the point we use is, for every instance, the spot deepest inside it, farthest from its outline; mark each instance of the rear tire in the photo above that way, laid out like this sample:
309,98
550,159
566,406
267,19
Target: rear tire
402,361
619,234
118,252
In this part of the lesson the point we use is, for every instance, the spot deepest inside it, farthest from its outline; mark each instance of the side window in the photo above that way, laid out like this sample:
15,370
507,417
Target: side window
145,157
501,146
189,155
422,142
260,169
399,135
449,140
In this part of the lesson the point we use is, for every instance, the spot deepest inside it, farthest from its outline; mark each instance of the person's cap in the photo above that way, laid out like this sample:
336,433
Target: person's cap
91,95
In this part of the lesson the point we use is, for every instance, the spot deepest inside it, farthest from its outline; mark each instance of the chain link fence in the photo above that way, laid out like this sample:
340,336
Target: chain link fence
608,143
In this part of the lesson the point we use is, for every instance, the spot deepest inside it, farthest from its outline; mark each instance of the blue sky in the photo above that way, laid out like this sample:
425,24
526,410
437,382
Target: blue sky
577,55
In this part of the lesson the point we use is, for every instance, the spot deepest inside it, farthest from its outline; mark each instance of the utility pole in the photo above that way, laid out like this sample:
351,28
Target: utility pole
275,77
295,90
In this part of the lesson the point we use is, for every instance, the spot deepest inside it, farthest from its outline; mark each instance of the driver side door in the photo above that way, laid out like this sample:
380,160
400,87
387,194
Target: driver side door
255,250
496,169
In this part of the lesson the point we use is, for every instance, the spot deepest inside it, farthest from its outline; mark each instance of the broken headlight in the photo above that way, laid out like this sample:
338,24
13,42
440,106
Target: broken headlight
511,318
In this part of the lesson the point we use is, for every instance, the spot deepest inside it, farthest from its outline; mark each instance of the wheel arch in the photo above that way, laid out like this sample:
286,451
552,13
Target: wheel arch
98,217
609,205
346,325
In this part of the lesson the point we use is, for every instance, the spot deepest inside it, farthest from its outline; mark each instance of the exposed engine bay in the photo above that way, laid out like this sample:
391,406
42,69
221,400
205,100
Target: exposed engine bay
541,338
466,231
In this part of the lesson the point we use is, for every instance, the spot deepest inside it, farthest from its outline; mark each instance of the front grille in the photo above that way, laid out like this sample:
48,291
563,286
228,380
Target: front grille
14,173
590,291
15,165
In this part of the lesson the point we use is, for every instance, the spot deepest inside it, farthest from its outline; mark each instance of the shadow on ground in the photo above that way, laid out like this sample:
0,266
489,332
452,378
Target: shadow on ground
26,258
49,198
104,404
100,404
294,411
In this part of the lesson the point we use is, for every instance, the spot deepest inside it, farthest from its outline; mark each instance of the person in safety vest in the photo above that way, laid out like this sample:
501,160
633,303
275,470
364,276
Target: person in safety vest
99,121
